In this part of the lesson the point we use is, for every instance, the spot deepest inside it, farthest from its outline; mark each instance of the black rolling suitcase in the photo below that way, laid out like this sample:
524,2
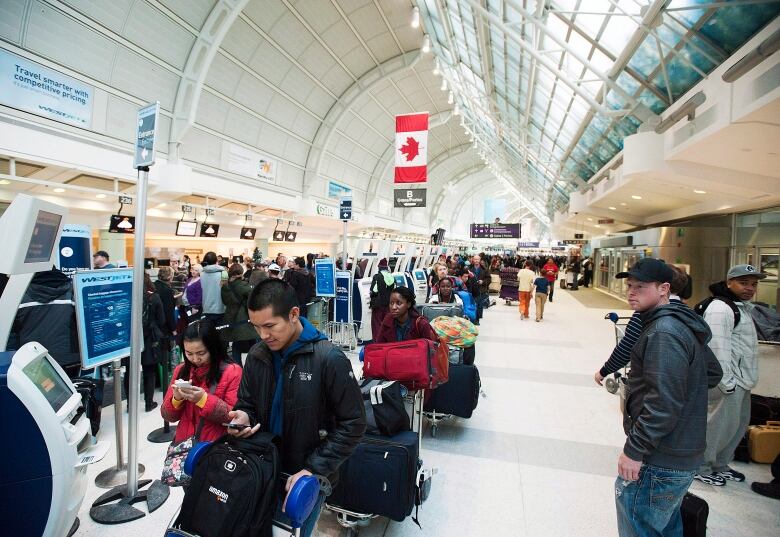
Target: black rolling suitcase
459,395
91,391
694,511
380,477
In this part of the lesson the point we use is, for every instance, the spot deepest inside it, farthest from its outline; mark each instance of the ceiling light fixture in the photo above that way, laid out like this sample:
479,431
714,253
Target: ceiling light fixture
100,196
613,208
597,226
623,204
5,182
443,84
416,17
590,219
436,69
426,48
699,192
59,190
450,98
160,206
636,197
456,111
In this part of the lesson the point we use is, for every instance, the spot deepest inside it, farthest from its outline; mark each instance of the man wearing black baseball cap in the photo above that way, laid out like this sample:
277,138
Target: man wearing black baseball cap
100,260
666,411
735,343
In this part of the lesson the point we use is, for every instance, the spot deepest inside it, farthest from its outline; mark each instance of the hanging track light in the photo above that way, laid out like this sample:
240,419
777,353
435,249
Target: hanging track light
436,69
416,17
426,47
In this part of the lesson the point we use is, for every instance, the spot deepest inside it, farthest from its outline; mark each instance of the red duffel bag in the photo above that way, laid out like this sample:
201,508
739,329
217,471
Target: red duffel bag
416,363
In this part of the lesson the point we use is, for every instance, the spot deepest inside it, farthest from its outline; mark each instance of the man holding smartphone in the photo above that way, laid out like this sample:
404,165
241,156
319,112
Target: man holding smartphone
299,386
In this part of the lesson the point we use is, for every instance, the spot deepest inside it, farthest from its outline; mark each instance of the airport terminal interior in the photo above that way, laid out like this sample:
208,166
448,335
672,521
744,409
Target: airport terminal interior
547,161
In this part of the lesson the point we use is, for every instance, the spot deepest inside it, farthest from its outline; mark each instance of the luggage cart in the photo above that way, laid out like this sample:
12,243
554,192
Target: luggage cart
343,335
618,383
352,521
287,528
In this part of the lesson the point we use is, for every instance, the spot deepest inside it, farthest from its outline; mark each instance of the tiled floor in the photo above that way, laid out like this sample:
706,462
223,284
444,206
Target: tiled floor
537,459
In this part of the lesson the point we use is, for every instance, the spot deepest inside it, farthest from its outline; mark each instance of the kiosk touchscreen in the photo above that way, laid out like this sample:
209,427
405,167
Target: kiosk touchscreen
420,285
46,445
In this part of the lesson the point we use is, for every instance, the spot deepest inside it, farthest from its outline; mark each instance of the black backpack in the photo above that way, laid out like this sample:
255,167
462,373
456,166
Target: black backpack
701,307
233,491
384,404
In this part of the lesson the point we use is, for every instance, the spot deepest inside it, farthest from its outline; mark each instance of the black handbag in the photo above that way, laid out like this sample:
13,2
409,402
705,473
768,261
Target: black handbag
385,411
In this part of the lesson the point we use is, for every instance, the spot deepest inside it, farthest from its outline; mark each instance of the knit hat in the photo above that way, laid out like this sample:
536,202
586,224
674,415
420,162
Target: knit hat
383,263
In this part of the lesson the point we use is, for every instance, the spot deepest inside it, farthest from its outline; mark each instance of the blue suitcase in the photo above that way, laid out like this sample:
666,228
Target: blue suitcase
379,478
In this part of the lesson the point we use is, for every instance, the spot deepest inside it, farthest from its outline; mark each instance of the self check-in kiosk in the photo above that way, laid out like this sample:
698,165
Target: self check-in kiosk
367,255
46,441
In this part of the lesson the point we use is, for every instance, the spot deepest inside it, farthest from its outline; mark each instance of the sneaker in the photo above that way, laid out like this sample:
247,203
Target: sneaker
732,475
710,479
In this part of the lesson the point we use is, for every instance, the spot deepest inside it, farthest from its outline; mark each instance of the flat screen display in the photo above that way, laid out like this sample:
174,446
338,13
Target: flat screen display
209,230
186,229
121,224
419,274
400,280
43,236
248,233
48,381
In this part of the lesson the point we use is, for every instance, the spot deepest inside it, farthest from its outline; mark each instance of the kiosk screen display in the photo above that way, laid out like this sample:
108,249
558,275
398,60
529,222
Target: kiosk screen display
400,280
43,236
48,381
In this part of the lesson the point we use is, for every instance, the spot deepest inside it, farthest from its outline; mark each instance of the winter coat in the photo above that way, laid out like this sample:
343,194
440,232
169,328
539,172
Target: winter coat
235,295
322,414
736,348
671,370
303,283
211,285
47,314
420,328
214,412
166,294
193,294
154,330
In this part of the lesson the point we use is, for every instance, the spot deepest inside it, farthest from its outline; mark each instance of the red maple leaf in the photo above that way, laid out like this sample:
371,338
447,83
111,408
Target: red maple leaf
411,149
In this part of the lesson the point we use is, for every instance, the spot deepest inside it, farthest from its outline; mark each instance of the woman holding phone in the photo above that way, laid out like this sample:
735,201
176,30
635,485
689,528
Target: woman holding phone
204,386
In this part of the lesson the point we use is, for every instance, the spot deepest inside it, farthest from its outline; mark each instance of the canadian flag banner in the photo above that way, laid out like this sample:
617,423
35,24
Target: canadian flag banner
411,148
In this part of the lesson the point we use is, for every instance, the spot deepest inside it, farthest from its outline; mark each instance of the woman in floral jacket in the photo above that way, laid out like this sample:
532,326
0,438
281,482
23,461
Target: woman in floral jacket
214,378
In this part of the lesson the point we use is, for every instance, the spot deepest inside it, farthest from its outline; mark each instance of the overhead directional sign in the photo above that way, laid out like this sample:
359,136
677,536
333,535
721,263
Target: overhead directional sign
345,209
495,231
410,197
146,132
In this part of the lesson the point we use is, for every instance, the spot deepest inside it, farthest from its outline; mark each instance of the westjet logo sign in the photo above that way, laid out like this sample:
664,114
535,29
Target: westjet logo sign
110,278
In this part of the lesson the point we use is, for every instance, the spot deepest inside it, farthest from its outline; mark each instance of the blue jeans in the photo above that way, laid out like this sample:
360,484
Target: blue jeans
650,506
310,523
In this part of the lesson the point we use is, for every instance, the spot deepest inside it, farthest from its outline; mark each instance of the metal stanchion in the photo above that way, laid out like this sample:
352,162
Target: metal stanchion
164,434
116,505
117,475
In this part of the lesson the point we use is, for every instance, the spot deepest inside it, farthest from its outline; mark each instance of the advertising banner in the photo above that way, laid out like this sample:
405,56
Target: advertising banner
325,277
75,248
31,87
248,163
337,191
343,287
103,304
410,197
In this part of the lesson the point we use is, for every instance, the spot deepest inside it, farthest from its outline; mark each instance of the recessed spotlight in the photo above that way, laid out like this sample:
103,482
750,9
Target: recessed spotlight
637,197
415,17
426,47
597,226
623,204
100,196
613,208
59,190
161,205
5,182
590,219
699,192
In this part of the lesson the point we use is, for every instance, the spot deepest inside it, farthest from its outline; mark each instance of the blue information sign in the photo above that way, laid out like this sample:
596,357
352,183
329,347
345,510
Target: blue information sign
103,304
325,277
342,296
345,209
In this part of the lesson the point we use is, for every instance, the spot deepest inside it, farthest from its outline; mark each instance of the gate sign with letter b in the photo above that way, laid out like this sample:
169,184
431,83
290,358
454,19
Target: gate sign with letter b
409,197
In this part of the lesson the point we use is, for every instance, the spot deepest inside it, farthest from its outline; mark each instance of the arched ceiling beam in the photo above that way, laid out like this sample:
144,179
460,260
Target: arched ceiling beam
202,53
344,104
436,207
388,157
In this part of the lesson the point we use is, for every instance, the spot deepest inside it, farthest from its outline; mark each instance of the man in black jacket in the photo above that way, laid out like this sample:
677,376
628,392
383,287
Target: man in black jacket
302,282
671,370
300,387
47,314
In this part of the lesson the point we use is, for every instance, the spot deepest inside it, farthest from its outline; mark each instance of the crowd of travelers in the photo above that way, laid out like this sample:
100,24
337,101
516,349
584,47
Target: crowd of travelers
243,331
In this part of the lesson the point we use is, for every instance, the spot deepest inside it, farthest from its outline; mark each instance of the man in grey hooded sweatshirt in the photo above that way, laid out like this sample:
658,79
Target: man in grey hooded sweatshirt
671,370
211,283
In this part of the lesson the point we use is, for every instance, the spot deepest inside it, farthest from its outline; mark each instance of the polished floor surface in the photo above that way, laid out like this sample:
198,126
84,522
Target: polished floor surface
537,459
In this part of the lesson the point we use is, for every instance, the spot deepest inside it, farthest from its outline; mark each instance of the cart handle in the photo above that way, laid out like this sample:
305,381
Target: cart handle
614,317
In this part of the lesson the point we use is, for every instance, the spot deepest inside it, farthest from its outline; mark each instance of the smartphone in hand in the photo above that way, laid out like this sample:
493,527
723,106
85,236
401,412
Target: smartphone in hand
235,426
